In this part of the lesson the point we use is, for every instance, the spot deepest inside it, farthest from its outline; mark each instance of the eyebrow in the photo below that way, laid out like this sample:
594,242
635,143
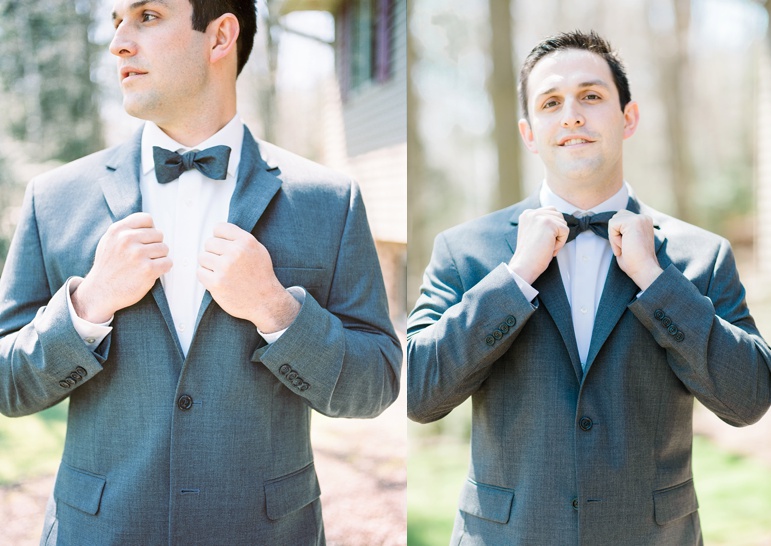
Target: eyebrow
582,85
139,4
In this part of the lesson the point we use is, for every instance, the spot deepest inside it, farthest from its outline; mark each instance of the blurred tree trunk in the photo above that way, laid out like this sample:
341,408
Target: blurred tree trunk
417,235
674,87
503,94
768,29
268,100
46,58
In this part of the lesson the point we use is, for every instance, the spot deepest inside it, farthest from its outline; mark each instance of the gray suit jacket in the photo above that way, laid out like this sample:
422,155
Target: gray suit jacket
213,448
565,456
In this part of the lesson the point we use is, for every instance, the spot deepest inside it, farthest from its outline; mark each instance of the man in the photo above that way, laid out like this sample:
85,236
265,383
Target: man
582,355
194,306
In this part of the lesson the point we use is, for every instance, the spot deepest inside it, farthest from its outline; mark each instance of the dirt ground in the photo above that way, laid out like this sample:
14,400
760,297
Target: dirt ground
361,466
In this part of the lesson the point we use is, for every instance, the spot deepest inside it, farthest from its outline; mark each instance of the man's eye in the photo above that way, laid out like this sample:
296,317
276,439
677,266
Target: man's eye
147,17
593,96
550,104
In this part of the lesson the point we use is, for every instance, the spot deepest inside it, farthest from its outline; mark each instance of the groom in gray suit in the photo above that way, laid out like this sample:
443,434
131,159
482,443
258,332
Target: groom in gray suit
194,293
582,324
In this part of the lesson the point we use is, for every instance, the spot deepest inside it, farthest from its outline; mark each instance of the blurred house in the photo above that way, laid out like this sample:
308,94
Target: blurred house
365,121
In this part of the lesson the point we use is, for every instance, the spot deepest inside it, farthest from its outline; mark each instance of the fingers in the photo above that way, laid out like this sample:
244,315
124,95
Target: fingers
208,261
156,250
230,232
136,221
216,245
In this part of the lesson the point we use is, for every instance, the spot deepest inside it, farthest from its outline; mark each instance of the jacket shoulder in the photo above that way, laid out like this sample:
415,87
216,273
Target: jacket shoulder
299,174
76,175
492,225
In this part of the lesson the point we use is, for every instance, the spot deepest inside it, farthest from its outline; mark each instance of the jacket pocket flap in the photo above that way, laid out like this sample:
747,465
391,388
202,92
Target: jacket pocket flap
289,493
79,489
486,501
674,502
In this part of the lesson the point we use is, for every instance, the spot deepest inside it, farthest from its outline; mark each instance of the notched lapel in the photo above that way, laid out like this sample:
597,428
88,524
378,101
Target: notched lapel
258,182
551,291
120,184
619,291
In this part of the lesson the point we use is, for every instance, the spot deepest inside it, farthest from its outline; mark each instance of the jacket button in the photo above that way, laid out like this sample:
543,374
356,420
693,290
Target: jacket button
304,387
672,330
297,382
679,336
82,371
511,321
185,402
497,334
76,376
291,376
64,384
666,321
658,314
503,327
585,423
285,369
575,504
490,340
70,381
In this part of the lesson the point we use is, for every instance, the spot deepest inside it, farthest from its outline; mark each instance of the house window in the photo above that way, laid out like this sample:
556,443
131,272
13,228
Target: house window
366,43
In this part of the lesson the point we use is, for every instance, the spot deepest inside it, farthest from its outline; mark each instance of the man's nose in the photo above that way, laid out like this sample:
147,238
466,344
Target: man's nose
572,114
122,44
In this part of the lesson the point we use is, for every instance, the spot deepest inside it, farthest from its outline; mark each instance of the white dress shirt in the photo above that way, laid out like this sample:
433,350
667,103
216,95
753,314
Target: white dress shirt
185,211
583,264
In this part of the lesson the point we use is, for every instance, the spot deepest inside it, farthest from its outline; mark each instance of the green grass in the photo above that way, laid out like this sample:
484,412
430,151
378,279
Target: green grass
734,492
32,446
436,469
734,496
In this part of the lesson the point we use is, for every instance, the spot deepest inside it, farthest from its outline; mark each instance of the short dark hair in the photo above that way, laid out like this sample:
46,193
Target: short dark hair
576,40
206,11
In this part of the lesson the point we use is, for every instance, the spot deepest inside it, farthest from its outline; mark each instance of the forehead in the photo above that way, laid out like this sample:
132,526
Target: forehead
567,68
126,6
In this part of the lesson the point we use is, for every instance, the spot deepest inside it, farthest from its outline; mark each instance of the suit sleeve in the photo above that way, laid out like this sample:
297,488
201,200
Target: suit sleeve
711,340
455,335
344,358
42,357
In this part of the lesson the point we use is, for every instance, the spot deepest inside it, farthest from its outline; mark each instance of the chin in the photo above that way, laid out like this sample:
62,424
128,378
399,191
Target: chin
138,107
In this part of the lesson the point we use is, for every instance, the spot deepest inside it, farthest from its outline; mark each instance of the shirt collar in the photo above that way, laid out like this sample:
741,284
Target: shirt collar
231,135
616,202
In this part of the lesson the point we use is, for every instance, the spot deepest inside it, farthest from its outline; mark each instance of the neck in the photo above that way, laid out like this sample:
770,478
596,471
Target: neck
585,196
193,127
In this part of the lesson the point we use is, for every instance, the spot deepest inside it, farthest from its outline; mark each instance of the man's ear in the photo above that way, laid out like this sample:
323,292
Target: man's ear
527,135
631,118
223,33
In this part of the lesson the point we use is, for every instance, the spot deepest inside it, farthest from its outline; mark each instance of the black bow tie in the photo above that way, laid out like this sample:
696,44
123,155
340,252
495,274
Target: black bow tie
598,223
212,162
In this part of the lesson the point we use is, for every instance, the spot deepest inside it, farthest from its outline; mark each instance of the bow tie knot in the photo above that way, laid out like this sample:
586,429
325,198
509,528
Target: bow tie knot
211,162
597,223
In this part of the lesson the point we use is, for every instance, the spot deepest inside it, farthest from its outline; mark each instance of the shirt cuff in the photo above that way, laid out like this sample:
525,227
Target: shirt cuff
528,291
298,293
91,334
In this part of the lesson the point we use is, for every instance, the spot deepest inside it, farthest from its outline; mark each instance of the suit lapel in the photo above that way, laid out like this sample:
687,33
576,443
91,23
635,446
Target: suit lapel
551,291
120,187
257,183
618,292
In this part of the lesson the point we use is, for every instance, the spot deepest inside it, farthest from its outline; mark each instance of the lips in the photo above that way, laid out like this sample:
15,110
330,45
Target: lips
130,72
574,141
